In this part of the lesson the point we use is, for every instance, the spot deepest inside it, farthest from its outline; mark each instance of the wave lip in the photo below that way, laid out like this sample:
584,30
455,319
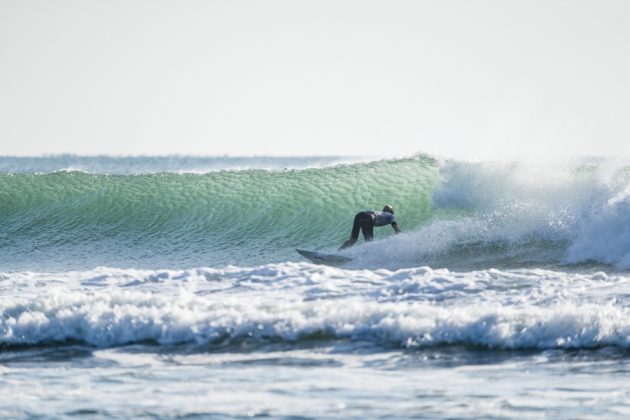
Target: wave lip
144,165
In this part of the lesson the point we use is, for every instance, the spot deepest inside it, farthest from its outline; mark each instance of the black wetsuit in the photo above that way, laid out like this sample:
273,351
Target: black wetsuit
364,222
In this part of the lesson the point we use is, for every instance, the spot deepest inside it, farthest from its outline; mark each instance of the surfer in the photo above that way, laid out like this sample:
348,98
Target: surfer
365,222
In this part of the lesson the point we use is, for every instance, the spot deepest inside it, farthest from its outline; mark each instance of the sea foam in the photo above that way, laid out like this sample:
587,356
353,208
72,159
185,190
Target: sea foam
295,303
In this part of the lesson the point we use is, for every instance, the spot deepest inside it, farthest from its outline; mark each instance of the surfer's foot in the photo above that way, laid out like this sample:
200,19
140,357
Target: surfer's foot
347,244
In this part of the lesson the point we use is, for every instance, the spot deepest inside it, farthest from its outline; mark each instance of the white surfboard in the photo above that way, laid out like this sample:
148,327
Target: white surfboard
323,258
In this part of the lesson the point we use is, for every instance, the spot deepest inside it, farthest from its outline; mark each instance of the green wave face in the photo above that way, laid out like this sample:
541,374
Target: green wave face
66,220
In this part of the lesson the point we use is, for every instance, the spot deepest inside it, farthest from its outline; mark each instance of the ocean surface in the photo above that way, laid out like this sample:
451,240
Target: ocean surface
170,287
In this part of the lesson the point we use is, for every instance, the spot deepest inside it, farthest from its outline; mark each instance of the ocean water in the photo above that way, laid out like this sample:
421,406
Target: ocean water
170,287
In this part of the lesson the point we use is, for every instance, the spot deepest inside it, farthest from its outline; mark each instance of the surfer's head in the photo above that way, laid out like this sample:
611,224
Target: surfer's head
388,209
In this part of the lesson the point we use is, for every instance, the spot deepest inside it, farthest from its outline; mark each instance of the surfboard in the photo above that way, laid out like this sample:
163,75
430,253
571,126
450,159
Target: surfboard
323,258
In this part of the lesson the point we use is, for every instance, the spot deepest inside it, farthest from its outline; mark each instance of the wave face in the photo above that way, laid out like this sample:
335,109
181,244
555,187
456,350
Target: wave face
59,219
453,214
298,302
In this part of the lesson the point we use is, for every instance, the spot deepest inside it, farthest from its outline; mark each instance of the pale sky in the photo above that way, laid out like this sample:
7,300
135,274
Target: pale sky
472,79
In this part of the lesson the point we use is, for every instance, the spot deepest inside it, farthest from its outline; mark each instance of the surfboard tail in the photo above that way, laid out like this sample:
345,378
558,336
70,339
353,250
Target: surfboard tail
323,258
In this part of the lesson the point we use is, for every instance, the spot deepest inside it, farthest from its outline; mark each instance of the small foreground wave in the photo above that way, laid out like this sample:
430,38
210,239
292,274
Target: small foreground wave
293,303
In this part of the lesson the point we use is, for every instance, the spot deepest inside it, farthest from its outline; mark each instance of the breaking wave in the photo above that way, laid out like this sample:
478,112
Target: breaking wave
453,214
299,302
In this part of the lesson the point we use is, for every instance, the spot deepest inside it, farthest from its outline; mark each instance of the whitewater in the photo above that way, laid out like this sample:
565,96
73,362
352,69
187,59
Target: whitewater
175,280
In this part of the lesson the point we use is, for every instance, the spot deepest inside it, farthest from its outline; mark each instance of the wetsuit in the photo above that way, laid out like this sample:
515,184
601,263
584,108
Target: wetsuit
366,220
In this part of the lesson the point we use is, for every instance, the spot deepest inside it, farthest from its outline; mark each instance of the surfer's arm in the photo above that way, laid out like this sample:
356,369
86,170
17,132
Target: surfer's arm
395,226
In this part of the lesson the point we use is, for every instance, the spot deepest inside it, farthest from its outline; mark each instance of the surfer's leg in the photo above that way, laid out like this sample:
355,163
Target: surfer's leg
367,225
354,236
356,226
368,230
